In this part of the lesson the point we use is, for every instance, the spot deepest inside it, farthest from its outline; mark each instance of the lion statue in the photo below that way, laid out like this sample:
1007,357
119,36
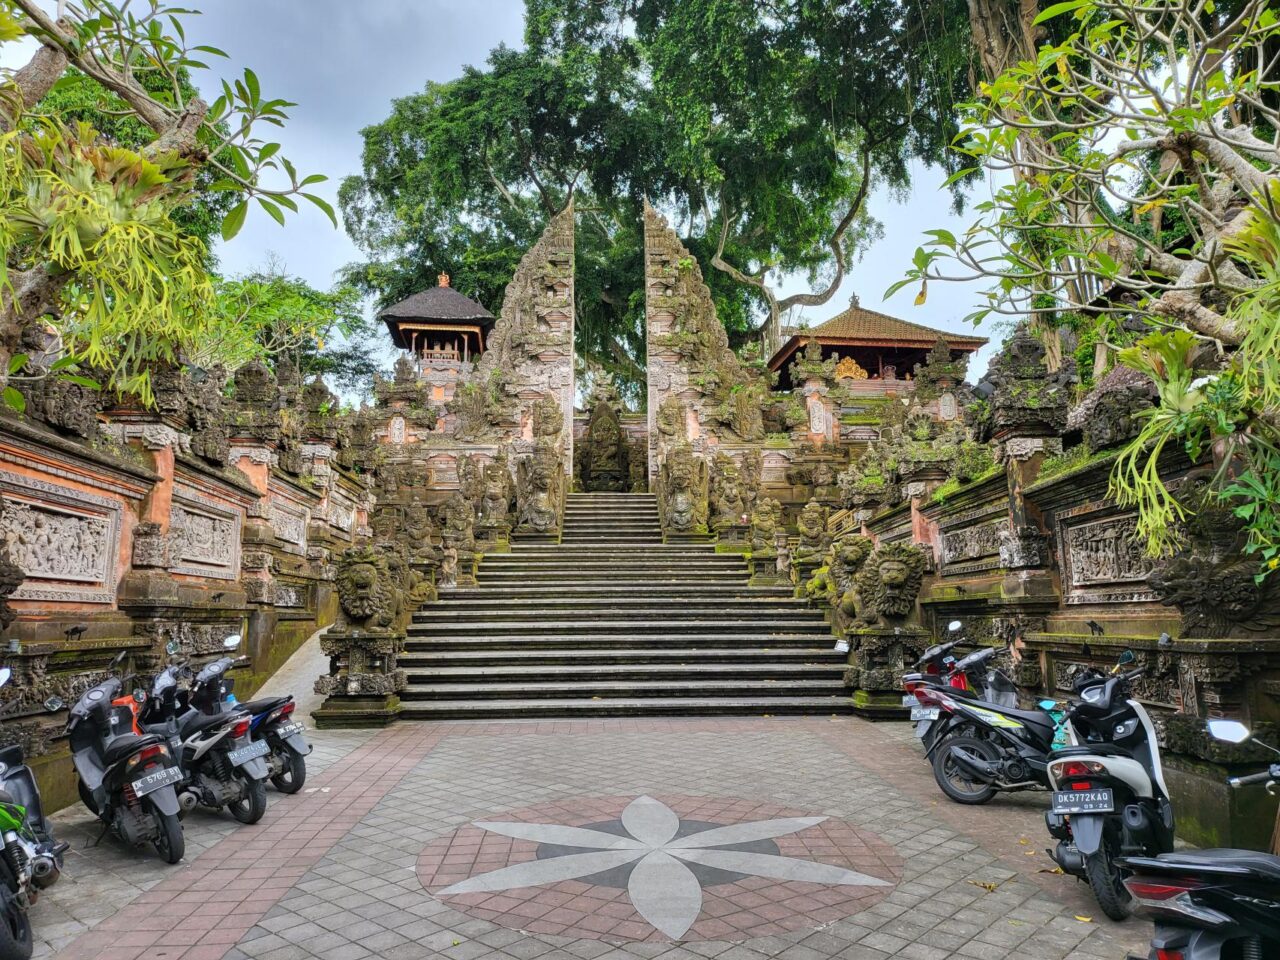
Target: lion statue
367,590
889,582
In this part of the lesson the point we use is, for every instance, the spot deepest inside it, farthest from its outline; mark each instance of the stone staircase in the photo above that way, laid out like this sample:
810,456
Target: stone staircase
614,622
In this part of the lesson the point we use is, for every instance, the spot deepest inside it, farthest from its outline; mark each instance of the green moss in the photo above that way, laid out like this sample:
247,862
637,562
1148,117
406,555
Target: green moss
954,486
1070,461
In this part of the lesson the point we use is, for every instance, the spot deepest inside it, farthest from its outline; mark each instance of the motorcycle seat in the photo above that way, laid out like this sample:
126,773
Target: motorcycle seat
1263,864
126,745
1085,749
193,722
265,705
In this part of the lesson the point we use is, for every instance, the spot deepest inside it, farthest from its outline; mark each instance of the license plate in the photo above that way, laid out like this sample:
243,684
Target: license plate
154,781
289,729
924,713
256,749
1084,801
909,700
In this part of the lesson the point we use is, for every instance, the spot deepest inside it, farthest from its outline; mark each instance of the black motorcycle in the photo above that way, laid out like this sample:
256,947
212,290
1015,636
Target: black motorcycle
1109,796
222,766
125,777
30,859
1212,904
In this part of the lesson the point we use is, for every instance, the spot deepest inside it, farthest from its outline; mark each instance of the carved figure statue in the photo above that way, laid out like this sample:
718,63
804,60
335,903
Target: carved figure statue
605,467
813,534
765,521
367,593
847,557
889,583
671,421
459,523
683,499
495,502
727,504
548,418
536,490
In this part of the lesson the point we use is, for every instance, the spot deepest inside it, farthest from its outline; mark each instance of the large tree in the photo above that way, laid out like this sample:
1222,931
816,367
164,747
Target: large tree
99,270
761,128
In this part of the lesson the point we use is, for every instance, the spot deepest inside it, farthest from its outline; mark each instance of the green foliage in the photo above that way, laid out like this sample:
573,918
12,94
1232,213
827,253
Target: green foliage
324,333
729,116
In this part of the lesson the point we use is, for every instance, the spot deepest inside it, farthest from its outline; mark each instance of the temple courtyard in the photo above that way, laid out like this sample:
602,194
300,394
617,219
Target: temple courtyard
739,838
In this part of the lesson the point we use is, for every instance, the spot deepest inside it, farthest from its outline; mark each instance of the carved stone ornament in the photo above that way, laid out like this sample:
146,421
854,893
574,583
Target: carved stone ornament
766,521
65,541
683,491
813,544
889,583
367,594
849,369
150,546
204,538
605,454
728,506
539,483
1101,557
1022,548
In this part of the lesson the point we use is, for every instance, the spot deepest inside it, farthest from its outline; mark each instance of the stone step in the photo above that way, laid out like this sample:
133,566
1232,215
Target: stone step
703,688
447,654
753,627
611,608
500,581
623,707
610,559
422,669
610,588
737,643
656,549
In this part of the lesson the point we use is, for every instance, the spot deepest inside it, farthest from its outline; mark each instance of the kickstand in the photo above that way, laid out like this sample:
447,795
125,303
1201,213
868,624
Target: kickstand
105,828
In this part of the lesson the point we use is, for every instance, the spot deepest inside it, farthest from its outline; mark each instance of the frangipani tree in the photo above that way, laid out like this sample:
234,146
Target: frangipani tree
97,273
1145,159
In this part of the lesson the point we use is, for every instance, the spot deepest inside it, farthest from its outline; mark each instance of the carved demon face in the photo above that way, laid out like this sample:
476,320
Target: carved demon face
358,591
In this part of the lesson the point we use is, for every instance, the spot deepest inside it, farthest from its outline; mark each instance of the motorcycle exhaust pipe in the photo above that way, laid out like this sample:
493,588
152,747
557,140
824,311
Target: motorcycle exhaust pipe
974,766
1138,828
44,871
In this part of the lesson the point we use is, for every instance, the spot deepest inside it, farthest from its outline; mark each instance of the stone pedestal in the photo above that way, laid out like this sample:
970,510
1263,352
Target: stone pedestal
363,685
804,571
878,657
764,570
733,538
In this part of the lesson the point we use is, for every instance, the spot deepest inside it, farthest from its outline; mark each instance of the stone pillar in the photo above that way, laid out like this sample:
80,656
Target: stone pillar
886,638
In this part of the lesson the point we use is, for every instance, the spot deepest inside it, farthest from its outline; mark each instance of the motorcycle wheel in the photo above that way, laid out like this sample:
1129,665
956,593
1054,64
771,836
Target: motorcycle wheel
15,933
1106,883
952,781
294,774
252,803
15,928
170,842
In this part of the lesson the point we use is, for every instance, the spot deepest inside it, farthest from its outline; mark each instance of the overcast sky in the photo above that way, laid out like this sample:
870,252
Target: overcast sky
344,62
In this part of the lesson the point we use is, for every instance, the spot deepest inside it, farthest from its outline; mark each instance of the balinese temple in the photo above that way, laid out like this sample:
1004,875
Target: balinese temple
870,346
443,329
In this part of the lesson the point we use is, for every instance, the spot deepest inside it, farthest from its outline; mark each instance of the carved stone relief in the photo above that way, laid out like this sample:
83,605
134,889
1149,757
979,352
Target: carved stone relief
204,537
1102,562
290,525
65,541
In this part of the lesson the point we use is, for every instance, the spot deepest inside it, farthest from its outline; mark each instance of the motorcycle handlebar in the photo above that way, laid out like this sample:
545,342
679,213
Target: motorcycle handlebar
1238,782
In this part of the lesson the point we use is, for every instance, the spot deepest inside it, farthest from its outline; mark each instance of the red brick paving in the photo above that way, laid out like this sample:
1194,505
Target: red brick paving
207,906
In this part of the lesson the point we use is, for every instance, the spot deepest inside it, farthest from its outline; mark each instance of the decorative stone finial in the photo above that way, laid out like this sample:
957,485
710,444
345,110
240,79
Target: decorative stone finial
443,279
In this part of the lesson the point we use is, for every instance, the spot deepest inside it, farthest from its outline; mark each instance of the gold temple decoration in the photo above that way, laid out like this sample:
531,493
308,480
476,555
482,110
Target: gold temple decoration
849,369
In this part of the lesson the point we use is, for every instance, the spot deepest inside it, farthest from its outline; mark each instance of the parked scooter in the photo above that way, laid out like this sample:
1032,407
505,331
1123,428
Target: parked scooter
31,859
1109,794
222,766
967,677
125,777
273,723
1212,904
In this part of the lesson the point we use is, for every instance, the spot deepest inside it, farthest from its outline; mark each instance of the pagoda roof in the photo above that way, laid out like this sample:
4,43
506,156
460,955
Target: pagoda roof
858,326
440,305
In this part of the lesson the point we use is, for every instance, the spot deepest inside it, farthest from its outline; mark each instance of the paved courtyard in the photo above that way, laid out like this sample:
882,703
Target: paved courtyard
739,839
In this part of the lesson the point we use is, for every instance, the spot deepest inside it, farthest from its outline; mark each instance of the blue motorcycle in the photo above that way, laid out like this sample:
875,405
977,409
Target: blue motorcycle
273,722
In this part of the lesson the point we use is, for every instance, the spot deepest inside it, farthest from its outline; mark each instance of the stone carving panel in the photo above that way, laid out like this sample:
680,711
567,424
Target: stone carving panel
204,537
65,541
971,541
1102,562
290,524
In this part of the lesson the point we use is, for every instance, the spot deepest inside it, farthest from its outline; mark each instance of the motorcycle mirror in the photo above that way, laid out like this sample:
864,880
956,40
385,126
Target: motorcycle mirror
1126,658
953,626
172,647
119,659
1229,731
54,704
231,642
5,674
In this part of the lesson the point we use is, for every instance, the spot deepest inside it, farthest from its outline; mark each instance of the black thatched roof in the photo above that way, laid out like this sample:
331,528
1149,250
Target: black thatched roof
438,303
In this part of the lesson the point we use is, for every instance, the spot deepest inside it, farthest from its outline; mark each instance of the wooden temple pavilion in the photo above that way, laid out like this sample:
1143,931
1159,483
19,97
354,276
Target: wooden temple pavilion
870,346
439,324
